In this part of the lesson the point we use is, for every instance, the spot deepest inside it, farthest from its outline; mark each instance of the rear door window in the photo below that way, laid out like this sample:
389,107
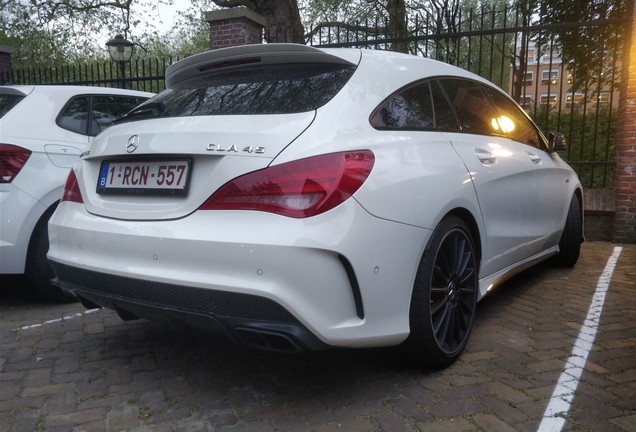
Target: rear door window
422,106
91,114
514,121
445,119
108,108
74,116
473,108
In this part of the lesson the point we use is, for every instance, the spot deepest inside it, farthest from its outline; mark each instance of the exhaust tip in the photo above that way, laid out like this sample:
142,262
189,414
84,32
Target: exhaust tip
268,340
125,315
88,304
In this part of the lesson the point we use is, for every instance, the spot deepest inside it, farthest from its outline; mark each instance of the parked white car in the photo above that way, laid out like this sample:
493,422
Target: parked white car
43,131
298,198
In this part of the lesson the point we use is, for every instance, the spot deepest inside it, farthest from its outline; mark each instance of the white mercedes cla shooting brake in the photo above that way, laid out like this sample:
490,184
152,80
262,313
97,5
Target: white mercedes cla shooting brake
302,198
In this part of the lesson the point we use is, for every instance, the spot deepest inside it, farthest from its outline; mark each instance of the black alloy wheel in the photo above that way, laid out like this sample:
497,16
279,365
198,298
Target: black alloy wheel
444,298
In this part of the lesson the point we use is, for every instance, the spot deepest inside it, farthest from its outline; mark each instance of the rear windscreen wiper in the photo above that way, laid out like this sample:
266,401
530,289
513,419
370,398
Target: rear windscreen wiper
144,111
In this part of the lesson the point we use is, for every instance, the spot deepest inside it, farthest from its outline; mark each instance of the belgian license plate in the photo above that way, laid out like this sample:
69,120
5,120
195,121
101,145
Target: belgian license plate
165,177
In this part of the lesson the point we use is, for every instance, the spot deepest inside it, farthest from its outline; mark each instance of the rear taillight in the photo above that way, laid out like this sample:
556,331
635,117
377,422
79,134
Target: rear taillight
298,189
12,159
71,189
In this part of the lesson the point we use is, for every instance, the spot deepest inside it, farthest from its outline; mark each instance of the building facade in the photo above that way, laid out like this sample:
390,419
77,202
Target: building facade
540,79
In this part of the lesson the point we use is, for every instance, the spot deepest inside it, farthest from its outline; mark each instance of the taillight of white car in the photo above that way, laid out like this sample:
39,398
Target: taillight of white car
12,159
298,189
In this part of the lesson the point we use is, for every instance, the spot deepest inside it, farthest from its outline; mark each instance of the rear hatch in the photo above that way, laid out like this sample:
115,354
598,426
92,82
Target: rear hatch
178,163
226,113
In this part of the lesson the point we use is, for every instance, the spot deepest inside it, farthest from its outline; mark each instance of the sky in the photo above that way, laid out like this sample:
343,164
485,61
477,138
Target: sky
161,18
167,13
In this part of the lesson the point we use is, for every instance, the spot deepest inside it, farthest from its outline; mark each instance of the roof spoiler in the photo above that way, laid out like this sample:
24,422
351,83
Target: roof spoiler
230,58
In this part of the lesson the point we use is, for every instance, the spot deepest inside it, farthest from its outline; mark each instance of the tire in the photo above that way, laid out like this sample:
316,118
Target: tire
38,271
572,236
444,298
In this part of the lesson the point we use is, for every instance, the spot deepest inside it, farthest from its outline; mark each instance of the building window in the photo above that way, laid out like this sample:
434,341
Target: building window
603,98
605,75
550,56
549,76
575,99
570,77
548,100
526,102
528,78
530,55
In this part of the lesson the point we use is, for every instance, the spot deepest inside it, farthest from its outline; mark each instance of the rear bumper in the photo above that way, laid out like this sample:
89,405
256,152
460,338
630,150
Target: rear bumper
253,320
345,277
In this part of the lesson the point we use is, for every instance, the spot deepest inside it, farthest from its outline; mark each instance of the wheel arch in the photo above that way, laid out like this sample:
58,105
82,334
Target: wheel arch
37,268
434,339
468,218
46,214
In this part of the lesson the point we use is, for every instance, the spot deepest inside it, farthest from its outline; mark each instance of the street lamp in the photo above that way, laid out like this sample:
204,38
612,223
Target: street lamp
120,51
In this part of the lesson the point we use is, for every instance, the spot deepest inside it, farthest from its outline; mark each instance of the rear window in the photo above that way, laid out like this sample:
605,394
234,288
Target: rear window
8,101
91,114
273,89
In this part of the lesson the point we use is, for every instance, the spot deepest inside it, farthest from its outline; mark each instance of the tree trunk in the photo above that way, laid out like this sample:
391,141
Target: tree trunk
519,68
283,20
397,25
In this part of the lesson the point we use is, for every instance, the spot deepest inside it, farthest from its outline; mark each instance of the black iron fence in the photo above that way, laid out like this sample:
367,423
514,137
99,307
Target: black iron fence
139,74
576,94
573,91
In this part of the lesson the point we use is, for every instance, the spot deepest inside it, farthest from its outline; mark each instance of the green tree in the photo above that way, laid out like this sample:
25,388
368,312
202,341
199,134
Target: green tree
591,138
346,20
54,31
519,53
583,48
189,34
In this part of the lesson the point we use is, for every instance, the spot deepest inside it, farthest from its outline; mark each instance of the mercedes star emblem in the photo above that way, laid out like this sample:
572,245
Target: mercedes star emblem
133,143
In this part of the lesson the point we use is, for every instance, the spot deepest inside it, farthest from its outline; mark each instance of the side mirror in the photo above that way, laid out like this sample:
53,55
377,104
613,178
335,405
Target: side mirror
556,142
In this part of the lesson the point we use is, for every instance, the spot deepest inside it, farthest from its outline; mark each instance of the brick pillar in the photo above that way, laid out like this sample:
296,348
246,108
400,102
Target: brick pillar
5,64
625,174
234,26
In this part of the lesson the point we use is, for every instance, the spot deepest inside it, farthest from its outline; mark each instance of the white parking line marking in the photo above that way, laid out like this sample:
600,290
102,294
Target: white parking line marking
554,416
57,320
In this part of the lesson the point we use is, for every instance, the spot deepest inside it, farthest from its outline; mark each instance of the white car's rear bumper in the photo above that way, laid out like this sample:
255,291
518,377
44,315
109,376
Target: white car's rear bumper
345,276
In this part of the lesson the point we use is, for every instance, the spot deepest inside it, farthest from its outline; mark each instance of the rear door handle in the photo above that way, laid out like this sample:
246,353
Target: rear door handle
534,158
485,157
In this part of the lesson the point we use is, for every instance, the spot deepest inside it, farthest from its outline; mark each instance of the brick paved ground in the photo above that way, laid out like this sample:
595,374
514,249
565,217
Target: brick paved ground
93,372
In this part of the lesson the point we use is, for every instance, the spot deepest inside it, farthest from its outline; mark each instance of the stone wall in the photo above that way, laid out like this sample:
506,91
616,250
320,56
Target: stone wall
599,209
236,26
624,229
